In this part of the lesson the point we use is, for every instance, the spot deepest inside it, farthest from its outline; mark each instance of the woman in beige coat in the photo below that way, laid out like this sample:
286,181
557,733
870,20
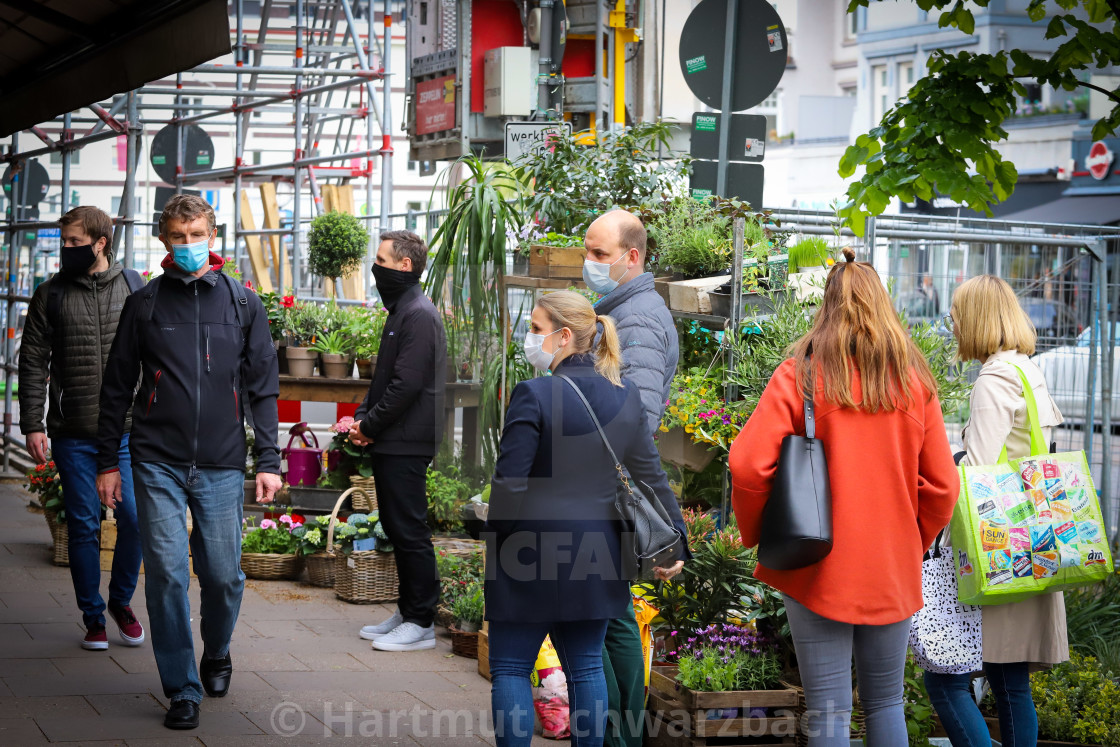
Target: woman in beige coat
1021,637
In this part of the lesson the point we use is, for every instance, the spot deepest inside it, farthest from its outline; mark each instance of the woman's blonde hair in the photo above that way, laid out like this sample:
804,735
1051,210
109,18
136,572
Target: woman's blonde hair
988,319
857,329
571,310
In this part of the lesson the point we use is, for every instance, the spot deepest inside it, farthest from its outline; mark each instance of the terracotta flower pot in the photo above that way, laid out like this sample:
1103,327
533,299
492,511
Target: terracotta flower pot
335,366
366,366
301,361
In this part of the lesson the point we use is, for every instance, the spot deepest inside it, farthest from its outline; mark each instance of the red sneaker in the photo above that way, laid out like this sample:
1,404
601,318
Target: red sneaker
132,632
95,639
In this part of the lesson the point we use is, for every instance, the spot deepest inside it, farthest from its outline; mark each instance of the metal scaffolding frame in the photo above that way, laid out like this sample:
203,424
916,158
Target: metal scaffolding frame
329,67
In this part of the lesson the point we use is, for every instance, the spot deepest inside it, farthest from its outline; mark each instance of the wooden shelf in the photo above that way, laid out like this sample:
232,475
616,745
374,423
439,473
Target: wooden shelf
524,281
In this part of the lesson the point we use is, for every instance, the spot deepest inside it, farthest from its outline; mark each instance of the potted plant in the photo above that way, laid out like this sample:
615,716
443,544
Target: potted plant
1078,703
697,422
303,324
43,481
333,347
274,309
364,327
763,280
446,495
467,610
269,552
365,569
336,245
311,538
555,255
809,260
458,571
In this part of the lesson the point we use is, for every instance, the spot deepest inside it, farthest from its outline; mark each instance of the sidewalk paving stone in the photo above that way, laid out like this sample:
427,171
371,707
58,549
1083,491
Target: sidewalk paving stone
141,724
21,731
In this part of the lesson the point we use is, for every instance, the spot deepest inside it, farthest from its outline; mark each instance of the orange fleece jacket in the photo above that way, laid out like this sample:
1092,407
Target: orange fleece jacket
894,485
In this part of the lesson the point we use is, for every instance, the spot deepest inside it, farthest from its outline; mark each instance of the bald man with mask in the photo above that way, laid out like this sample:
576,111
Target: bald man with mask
615,267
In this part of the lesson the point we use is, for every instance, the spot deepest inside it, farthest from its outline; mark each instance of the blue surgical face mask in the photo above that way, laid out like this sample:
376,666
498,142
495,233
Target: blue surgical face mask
535,353
191,257
597,275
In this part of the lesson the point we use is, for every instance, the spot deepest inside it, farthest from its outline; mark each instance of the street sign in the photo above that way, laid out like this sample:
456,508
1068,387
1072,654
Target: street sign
747,141
198,151
523,138
759,52
744,181
1099,160
36,186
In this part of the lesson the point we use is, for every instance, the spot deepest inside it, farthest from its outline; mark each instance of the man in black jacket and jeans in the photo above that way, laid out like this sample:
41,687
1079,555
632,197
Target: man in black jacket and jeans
402,418
199,345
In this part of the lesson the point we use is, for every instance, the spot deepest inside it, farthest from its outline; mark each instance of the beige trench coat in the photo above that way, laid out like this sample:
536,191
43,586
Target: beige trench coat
1033,630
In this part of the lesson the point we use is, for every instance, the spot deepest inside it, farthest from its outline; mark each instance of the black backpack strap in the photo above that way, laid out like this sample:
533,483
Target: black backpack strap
134,279
151,290
240,303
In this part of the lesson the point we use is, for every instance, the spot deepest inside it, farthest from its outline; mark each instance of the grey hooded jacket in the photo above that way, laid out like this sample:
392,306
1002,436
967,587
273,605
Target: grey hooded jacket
648,337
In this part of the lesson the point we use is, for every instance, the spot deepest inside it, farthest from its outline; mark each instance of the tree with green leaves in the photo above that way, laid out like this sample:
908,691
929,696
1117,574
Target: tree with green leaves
940,139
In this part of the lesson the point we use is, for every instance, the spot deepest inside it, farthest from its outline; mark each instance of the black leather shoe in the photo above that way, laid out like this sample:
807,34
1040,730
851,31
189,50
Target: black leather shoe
183,714
215,674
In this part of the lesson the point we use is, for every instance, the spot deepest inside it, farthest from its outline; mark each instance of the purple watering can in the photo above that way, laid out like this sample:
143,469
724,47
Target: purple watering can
305,464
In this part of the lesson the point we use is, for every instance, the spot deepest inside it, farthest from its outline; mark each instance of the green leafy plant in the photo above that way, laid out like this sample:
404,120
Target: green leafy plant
1093,621
696,404
940,139
303,322
274,311
916,705
336,342
43,481
457,573
530,236
446,495
363,326
582,175
1078,701
336,245
468,607
360,526
762,346
311,536
940,352
810,251
272,536
721,658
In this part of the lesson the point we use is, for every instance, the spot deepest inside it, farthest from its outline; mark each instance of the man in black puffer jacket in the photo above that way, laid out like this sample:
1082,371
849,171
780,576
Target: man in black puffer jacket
71,325
402,416
199,344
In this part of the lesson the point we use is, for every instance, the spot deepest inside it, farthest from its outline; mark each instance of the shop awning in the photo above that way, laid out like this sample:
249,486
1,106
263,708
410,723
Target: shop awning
60,55
1095,210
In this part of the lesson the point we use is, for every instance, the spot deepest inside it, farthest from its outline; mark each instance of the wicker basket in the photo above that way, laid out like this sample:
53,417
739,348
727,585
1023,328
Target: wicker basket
444,618
60,536
267,566
365,577
364,498
463,644
320,569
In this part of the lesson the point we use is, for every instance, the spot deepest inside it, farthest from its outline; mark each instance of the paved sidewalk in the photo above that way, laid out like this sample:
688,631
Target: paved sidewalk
300,670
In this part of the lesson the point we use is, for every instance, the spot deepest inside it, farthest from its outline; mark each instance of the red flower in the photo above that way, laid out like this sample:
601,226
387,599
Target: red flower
40,468
288,301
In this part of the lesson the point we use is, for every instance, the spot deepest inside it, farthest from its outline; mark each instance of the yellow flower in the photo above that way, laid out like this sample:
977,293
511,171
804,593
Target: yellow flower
664,429
688,429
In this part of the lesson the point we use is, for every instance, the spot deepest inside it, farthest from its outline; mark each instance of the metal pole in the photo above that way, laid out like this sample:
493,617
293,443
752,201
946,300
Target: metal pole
374,236
1106,427
599,72
129,197
239,136
19,193
1096,315
297,183
544,68
725,99
180,146
731,334
66,155
386,132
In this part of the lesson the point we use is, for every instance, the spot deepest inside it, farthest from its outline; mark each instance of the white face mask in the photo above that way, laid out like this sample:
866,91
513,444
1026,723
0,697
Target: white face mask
597,275
534,350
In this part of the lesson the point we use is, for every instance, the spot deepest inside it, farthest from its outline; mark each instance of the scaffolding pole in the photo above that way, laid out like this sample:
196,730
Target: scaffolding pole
297,178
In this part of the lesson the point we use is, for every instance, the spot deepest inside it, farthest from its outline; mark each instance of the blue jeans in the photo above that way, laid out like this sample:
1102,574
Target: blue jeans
164,492
951,695
76,459
824,656
513,652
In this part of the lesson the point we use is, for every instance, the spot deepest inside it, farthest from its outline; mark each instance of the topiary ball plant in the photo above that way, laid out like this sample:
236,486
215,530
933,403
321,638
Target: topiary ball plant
337,245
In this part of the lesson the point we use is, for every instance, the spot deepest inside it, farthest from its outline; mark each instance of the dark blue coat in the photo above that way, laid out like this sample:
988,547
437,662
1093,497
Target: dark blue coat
553,535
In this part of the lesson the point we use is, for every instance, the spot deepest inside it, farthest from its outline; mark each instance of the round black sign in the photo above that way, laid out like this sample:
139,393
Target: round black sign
197,146
760,50
37,184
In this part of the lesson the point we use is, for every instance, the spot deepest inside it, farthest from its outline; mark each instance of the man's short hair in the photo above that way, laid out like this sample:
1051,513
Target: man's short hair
408,244
632,234
186,208
95,222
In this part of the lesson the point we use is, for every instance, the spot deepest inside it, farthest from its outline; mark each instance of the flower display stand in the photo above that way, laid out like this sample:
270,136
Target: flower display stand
484,651
681,716
691,296
556,261
677,447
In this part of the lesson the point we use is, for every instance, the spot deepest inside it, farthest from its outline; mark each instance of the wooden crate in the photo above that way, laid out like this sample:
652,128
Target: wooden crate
692,295
679,715
556,261
484,653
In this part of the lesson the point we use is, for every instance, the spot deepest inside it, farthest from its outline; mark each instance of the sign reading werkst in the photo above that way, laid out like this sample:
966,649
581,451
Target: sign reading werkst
523,138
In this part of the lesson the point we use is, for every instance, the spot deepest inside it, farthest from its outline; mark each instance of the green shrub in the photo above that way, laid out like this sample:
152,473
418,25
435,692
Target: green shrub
1078,702
336,244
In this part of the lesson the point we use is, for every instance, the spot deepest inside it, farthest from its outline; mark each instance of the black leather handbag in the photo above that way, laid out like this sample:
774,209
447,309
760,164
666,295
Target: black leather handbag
649,539
797,520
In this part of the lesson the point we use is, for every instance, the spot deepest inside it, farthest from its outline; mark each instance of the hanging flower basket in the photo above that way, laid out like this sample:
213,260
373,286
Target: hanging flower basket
677,447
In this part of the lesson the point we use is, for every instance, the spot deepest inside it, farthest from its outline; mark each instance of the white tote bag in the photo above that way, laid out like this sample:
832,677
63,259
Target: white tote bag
945,635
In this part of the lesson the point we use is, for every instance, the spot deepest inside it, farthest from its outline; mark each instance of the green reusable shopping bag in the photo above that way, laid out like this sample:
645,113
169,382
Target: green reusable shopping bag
1027,526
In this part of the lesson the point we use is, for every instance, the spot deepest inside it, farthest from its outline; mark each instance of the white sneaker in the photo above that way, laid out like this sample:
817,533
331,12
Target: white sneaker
407,637
373,632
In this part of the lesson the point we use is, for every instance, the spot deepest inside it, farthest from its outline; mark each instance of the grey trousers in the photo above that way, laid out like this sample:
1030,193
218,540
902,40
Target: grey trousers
824,657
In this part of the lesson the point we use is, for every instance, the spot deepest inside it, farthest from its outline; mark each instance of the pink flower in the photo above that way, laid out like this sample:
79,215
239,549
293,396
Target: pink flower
285,519
343,425
268,524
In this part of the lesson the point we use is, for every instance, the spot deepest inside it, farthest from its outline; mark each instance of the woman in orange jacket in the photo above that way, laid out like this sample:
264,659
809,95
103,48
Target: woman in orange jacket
893,485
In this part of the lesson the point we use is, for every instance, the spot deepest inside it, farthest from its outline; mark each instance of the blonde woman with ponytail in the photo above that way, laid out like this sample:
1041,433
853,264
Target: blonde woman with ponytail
553,539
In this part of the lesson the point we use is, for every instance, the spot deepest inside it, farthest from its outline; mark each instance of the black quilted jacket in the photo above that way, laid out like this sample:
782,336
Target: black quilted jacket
74,358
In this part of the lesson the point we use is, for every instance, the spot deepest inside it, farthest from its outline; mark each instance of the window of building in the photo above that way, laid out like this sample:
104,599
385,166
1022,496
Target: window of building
905,77
412,165
75,157
116,209
880,93
856,22
849,89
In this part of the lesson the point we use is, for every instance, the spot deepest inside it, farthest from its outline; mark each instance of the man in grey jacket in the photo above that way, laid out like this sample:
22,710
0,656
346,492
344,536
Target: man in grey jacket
615,266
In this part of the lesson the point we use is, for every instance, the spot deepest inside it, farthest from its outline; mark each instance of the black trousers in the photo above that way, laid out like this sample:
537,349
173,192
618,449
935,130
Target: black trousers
402,503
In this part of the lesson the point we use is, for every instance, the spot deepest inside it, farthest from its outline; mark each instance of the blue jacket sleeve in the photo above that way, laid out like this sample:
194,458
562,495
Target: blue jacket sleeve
647,361
644,465
516,455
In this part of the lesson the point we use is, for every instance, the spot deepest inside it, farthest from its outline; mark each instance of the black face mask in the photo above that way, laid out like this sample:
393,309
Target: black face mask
76,260
392,284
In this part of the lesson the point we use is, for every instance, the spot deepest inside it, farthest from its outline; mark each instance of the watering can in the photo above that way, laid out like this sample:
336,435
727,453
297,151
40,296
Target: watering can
304,463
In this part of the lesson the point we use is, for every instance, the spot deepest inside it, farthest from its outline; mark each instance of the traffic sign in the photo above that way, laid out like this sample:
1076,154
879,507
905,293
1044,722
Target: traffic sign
1099,160
747,141
524,138
197,147
744,181
36,186
759,52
